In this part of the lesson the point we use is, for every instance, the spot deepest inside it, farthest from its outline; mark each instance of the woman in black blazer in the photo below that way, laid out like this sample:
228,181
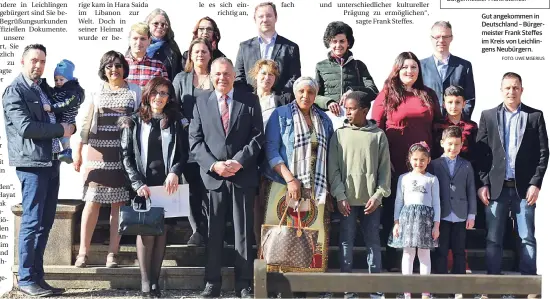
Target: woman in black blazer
191,82
154,150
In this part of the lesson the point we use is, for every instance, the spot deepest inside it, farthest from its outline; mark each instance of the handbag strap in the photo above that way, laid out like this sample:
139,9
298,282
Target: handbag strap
147,205
284,217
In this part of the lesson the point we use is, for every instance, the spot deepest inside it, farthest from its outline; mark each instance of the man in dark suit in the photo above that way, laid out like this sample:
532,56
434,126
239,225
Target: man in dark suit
512,145
269,45
226,136
33,149
442,69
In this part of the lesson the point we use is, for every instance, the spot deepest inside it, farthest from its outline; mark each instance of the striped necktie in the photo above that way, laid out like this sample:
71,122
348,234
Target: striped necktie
225,114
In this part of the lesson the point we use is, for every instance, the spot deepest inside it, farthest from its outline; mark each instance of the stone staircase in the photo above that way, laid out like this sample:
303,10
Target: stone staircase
183,265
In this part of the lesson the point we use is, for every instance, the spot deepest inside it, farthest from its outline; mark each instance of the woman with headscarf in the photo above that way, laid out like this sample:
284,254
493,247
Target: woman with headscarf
297,137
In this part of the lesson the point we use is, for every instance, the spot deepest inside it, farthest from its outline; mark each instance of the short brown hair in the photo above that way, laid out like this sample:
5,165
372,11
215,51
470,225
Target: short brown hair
109,58
272,68
452,132
266,4
512,75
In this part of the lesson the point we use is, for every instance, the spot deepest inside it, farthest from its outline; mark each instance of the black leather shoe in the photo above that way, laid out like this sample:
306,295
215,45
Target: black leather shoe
56,291
211,291
34,290
196,239
246,293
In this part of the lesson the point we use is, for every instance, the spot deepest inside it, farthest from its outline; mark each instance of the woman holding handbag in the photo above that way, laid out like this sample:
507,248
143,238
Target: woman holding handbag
154,151
297,138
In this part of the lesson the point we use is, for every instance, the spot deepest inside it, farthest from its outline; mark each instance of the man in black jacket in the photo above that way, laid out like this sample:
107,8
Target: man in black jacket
512,145
226,136
268,45
33,148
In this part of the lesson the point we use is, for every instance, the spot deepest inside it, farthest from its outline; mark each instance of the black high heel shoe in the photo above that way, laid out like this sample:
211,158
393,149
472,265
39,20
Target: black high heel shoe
155,291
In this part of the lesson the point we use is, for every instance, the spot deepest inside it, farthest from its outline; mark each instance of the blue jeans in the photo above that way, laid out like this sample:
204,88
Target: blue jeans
524,215
370,226
39,189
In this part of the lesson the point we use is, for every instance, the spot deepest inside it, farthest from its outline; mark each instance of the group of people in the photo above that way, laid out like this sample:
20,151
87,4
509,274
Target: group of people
255,143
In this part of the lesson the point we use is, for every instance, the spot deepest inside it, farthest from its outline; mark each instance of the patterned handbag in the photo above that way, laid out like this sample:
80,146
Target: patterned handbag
287,245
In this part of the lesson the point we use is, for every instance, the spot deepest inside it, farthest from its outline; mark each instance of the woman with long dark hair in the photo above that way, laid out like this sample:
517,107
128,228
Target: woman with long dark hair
154,152
405,109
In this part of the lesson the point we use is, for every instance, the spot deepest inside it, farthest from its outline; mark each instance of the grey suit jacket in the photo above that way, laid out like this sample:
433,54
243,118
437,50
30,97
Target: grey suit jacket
285,53
459,72
457,192
244,141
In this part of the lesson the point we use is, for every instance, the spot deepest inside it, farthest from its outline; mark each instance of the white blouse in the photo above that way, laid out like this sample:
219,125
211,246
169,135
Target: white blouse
144,135
268,106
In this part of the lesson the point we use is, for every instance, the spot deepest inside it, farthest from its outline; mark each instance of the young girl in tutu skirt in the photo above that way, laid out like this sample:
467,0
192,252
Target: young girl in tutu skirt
417,212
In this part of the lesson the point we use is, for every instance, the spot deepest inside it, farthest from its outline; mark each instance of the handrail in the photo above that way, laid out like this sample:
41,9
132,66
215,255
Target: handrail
286,283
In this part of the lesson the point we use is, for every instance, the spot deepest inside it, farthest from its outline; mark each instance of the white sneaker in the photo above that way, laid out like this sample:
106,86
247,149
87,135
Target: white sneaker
458,296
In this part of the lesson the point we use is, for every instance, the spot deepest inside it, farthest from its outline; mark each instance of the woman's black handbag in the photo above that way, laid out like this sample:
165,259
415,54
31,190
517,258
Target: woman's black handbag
145,222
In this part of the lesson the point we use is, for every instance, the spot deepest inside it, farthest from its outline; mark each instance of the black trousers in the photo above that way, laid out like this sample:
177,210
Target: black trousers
198,200
452,235
240,204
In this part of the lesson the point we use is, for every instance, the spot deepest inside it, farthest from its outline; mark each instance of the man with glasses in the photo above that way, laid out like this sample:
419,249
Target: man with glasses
142,68
33,149
268,45
442,69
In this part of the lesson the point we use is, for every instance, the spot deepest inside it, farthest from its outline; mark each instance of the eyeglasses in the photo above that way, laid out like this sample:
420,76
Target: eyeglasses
162,25
115,65
444,37
162,94
205,29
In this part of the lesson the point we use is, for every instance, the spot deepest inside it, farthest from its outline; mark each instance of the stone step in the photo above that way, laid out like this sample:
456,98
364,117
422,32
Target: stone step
188,256
180,234
128,277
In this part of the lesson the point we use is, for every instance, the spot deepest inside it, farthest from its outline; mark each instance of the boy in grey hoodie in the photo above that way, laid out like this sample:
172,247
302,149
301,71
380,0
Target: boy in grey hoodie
360,176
